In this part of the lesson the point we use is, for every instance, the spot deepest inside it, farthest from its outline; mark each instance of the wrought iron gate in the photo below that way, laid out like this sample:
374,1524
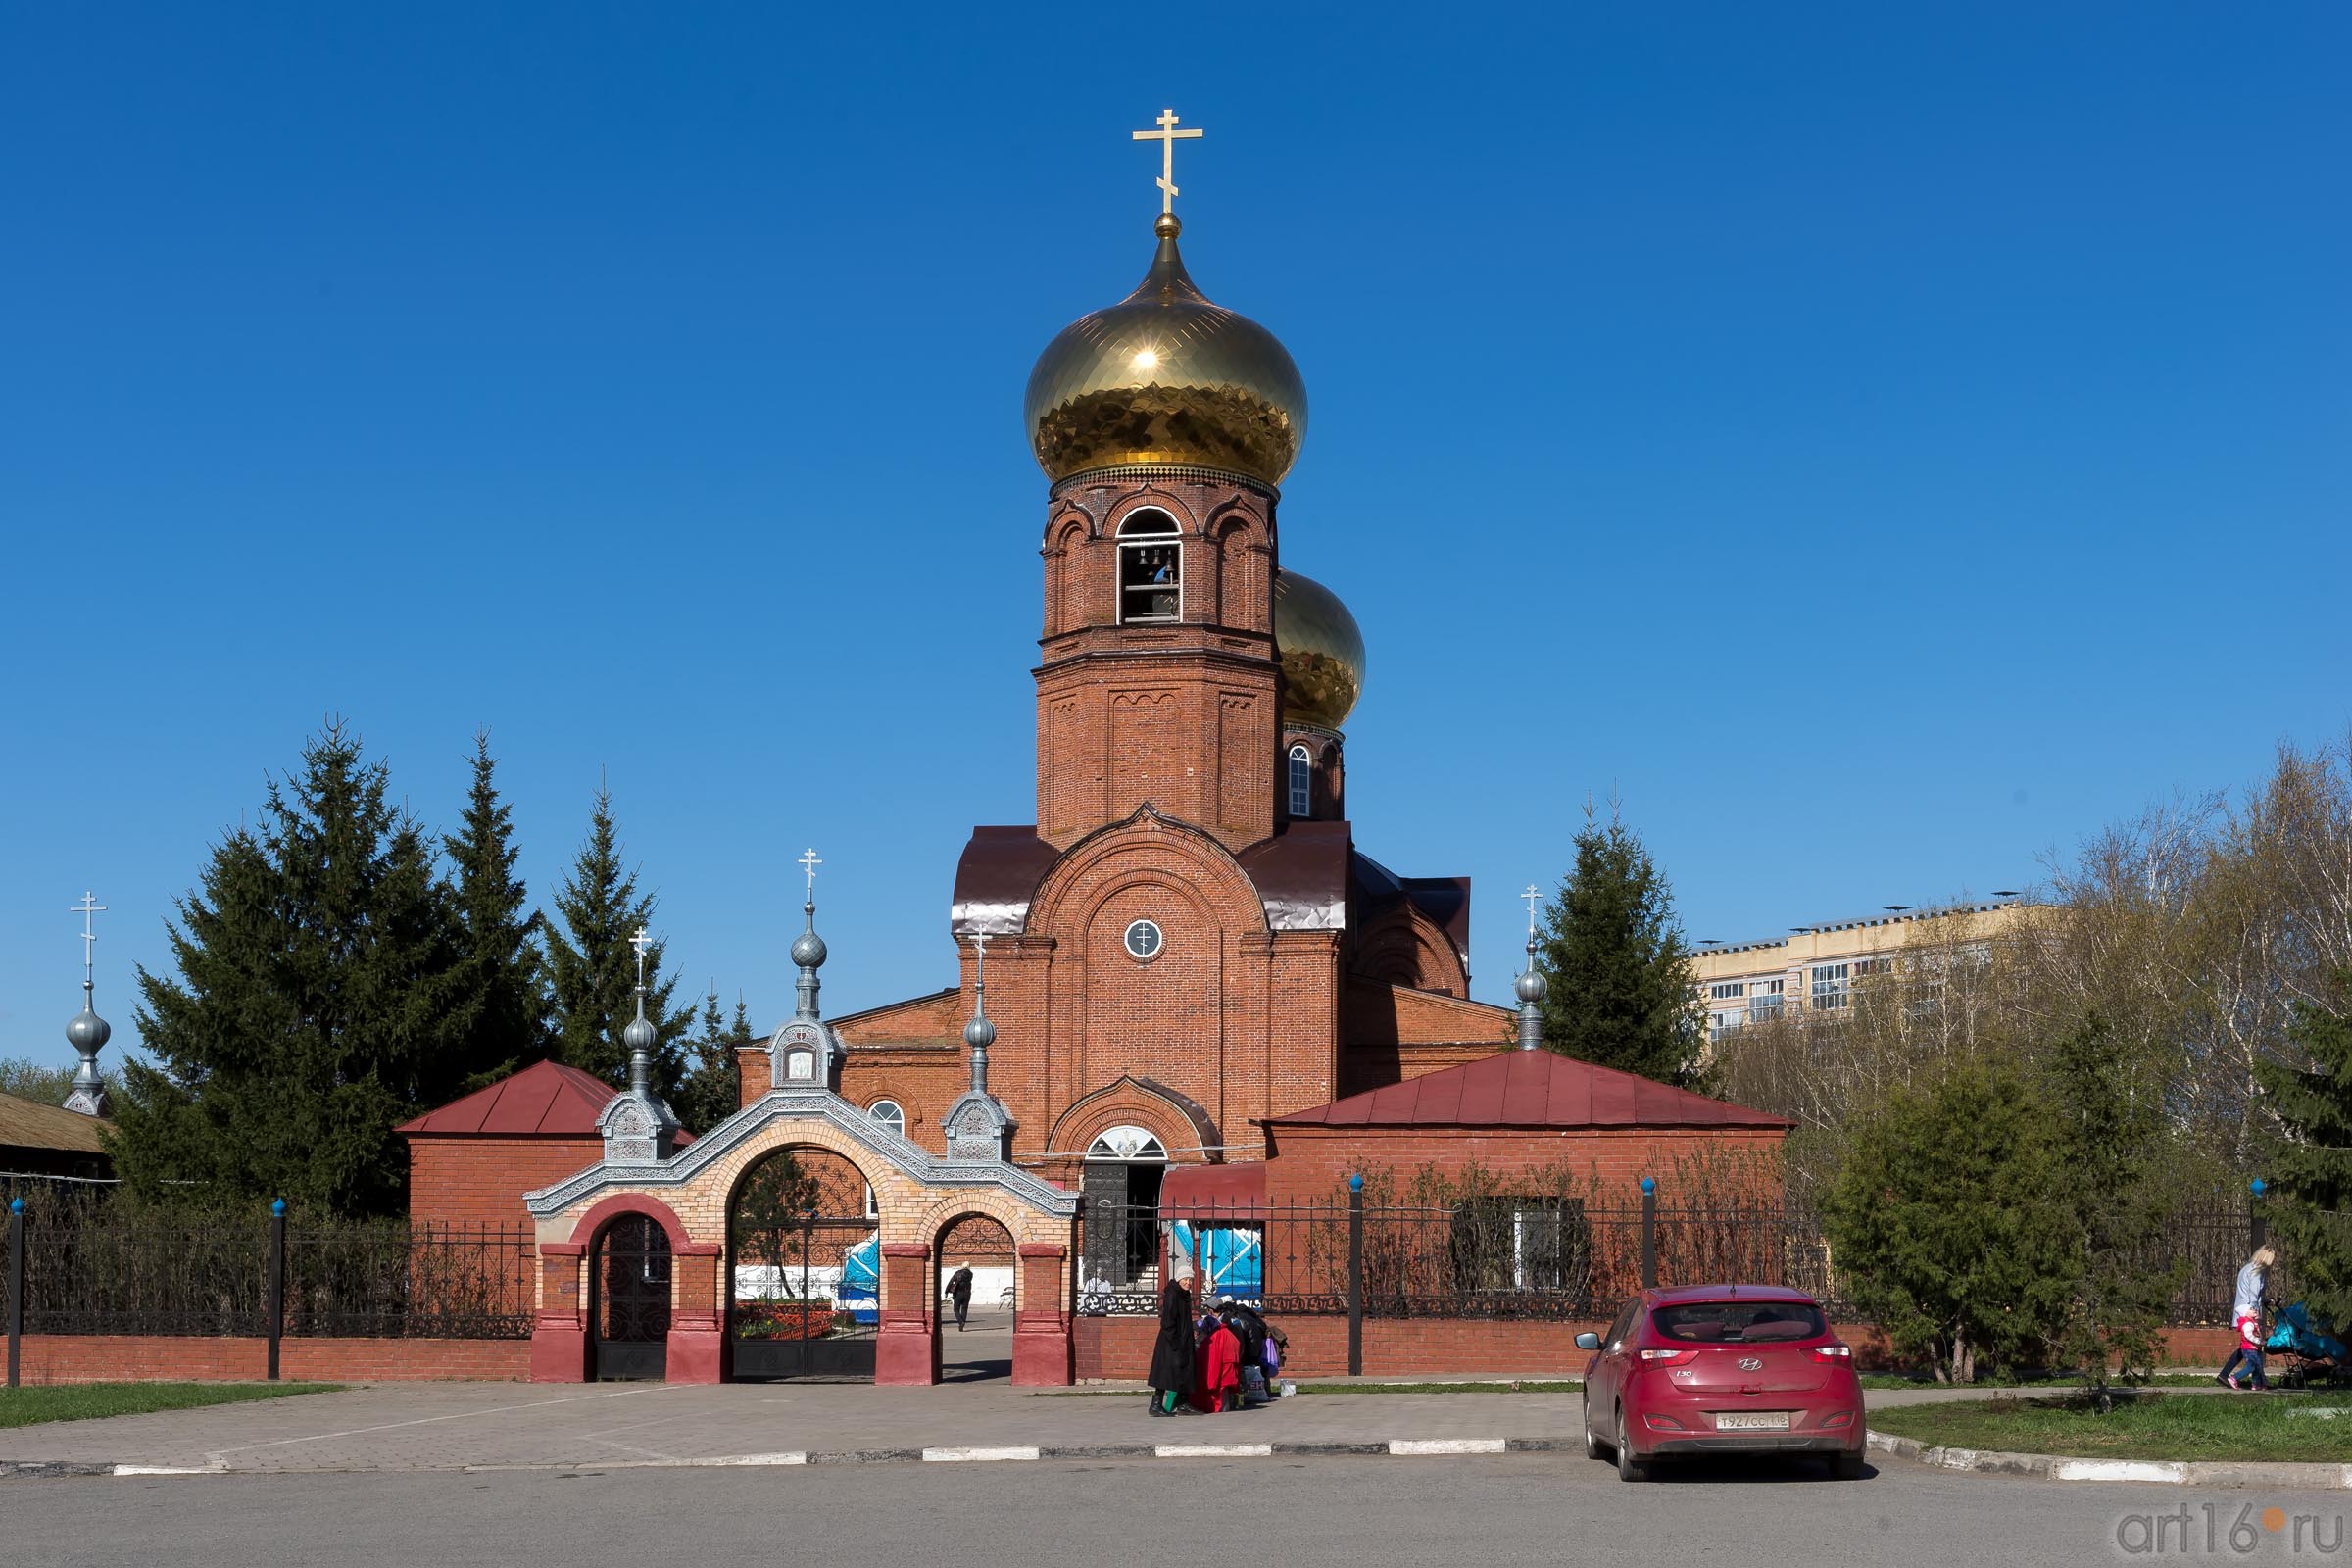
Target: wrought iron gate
629,1308
805,1299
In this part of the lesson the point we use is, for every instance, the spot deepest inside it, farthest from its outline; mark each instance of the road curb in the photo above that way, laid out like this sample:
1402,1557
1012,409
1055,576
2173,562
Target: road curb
2160,1472
1395,1448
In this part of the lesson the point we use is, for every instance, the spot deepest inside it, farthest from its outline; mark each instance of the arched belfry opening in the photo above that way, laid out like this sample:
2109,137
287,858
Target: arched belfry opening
1151,568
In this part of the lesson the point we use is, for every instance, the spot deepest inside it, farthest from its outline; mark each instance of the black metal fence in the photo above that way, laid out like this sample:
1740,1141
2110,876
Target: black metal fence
102,1267
1538,1257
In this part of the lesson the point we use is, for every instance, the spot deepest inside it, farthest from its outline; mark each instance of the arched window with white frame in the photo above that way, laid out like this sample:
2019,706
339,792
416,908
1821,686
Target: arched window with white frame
890,1113
1151,568
1302,783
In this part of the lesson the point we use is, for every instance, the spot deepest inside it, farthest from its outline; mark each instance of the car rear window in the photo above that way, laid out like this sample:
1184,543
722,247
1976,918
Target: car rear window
1738,1322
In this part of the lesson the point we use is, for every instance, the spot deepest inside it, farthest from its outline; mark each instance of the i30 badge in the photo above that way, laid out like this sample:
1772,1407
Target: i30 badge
1751,1363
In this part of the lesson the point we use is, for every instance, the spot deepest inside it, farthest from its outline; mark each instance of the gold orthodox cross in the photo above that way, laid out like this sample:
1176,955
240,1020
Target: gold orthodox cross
1167,136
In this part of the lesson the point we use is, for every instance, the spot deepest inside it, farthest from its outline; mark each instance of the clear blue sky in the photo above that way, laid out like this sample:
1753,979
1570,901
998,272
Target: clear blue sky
1882,442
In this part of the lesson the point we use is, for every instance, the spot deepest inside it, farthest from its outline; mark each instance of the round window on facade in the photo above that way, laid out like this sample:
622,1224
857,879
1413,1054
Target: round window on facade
1144,942
887,1114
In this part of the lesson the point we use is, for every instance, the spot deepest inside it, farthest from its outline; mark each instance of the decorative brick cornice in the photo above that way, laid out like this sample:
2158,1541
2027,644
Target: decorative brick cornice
1156,472
802,1102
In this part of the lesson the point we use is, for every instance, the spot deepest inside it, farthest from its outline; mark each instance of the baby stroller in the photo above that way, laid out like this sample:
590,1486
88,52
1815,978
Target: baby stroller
2310,1351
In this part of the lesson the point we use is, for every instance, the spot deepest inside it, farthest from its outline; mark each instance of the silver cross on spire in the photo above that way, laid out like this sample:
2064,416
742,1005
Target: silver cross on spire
1531,986
87,1032
809,949
979,1034
88,906
640,1036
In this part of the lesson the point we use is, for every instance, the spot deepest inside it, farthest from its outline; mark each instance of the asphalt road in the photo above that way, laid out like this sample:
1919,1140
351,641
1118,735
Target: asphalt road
1359,1513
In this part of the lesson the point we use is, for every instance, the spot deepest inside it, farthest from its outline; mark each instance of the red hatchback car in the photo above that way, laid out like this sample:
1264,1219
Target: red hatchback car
1721,1369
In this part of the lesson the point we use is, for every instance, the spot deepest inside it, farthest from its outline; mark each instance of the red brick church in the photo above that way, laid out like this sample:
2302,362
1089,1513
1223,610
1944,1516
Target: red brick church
1189,961
1187,940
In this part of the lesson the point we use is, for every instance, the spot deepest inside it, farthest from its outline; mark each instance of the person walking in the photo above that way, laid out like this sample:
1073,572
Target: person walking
1172,1351
2245,1314
960,1292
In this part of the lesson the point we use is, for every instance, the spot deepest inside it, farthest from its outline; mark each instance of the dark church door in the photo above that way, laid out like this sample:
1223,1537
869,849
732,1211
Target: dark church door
1120,1233
628,1311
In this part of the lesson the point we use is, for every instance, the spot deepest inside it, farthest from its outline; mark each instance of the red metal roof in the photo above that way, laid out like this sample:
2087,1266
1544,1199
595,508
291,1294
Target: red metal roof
1529,1089
1213,1192
545,1100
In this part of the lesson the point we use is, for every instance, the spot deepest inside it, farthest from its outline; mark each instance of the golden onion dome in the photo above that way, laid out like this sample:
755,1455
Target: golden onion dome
1321,649
1165,376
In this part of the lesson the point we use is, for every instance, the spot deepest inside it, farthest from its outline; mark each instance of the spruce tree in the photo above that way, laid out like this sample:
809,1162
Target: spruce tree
710,1091
592,969
1949,1226
319,1004
502,967
2105,1136
2310,1166
1621,989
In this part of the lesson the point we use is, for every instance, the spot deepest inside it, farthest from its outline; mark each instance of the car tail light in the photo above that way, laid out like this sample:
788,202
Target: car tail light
1668,1357
1832,1353
1838,1419
1660,1423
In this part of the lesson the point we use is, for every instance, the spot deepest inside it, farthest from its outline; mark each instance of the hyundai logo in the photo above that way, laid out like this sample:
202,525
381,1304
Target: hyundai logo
1751,1363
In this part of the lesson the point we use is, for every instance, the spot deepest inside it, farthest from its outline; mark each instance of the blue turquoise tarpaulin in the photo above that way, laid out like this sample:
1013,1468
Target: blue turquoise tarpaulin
1232,1259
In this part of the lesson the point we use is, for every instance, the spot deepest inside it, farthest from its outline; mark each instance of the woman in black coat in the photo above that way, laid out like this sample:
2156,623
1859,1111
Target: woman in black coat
1172,1351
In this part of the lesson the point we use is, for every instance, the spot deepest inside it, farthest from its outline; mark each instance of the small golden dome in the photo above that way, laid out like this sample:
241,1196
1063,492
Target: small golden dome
1322,652
1165,376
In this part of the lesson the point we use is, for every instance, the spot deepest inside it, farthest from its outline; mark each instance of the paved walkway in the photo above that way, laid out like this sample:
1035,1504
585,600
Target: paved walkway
445,1426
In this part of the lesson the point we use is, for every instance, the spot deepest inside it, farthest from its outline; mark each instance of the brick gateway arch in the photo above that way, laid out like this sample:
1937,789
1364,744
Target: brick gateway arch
919,1196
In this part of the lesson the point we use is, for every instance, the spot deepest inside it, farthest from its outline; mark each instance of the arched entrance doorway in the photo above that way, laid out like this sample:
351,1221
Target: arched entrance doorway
802,1269
1120,1185
629,1274
979,1348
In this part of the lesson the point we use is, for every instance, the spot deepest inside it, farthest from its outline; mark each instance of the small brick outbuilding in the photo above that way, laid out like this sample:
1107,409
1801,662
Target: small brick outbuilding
470,1162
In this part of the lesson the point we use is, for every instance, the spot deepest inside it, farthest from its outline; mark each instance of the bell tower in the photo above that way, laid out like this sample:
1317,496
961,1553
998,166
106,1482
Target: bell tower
1159,684
1166,423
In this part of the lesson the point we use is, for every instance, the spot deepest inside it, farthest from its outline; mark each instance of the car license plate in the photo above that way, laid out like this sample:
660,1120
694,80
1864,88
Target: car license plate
1752,1420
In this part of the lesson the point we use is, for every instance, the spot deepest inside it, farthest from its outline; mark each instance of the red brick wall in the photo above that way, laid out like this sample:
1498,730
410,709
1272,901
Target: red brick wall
480,1180
123,1358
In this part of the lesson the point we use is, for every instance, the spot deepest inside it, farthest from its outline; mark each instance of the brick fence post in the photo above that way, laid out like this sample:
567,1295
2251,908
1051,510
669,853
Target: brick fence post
1355,1275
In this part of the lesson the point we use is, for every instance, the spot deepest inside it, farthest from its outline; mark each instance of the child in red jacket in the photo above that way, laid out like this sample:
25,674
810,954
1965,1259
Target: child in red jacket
1217,1369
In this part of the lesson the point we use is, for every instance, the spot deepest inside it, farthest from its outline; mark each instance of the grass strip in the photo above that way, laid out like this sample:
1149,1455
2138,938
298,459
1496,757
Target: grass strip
1908,1380
2148,1426
92,1401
